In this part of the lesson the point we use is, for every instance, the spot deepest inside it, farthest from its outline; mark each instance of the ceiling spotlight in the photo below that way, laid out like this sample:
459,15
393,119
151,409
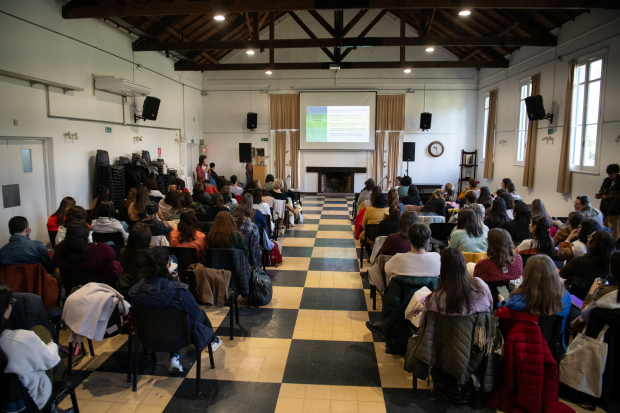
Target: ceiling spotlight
407,70
219,17
268,72
250,51
430,49
464,13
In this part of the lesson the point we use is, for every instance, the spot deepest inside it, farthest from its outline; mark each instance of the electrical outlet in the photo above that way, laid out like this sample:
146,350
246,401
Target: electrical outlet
15,122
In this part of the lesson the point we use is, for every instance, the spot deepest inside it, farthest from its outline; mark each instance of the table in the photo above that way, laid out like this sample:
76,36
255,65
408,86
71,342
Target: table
431,187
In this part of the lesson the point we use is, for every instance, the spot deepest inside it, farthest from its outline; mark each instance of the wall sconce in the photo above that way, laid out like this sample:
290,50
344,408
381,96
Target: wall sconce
548,138
502,141
69,135
137,139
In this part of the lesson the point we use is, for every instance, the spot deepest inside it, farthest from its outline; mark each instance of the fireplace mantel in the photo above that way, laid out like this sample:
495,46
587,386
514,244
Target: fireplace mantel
342,169
346,184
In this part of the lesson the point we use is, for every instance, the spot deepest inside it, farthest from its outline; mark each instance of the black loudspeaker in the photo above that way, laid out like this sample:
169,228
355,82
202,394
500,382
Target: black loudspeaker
534,107
252,120
425,120
245,152
150,108
408,151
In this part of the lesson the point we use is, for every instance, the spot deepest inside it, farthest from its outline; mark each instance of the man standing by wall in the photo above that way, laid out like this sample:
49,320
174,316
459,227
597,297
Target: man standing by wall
610,202
249,170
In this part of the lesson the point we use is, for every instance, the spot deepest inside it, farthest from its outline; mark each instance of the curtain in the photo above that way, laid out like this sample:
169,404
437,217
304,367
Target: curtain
393,154
390,113
280,152
284,111
530,148
490,141
294,159
564,174
378,157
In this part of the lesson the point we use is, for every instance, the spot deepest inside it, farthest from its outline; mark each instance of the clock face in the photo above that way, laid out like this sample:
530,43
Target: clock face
435,149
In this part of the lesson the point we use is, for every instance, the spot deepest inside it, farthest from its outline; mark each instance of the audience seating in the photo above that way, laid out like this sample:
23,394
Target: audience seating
474,256
493,286
201,217
115,237
10,381
123,214
130,224
156,327
52,235
551,329
371,231
205,227
186,256
159,241
415,208
440,232
155,199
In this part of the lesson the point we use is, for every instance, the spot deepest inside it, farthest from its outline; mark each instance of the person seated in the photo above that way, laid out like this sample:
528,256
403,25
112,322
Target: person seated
418,261
267,198
139,239
373,215
276,192
470,202
396,183
470,199
191,204
58,218
251,186
469,235
434,206
575,243
472,185
213,174
199,195
151,185
166,203
106,223
73,214
131,197
94,213
235,189
574,220
393,197
210,188
405,183
479,212
595,263
75,253
510,204
229,200
29,354
151,219
365,193
519,228
23,250
541,293
224,234
485,199
541,242
180,184
397,242
142,197
538,209
412,197
158,290
582,204
604,296
177,208
503,263
390,222
268,185
247,224
187,234
259,204
497,215
217,206
512,190
220,183
449,195
100,190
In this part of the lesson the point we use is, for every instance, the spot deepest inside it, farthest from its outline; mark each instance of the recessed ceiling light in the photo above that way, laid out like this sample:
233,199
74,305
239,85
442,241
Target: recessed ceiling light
407,70
268,72
430,49
250,51
219,17
464,13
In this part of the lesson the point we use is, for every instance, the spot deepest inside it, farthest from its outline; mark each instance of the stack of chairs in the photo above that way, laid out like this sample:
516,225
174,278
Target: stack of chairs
103,174
118,185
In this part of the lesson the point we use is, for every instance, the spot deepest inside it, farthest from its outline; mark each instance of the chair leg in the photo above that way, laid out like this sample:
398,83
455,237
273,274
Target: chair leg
237,306
74,401
154,357
231,297
130,354
415,387
134,386
361,256
198,359
373,293
90,347
70,368
210,348
83,349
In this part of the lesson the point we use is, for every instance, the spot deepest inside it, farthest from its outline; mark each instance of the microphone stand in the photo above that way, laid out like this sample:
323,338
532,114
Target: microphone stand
382,180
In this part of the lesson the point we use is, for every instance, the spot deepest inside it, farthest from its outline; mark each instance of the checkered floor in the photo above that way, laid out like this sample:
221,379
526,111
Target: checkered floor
307,351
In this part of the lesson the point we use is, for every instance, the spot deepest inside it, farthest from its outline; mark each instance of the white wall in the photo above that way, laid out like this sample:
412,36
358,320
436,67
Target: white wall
450,95
590,32
36,41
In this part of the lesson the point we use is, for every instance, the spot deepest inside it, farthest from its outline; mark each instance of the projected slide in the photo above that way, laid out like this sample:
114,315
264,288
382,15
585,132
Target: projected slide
337,123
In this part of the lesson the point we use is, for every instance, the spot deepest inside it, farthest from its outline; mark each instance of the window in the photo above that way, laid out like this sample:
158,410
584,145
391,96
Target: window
525,91
486,121
585,114
26,161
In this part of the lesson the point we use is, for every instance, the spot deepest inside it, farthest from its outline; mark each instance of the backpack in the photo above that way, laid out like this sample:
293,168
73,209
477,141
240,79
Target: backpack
262,290
275,257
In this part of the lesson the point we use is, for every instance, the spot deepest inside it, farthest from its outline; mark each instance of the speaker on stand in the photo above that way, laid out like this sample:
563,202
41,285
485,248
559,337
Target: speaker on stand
408,153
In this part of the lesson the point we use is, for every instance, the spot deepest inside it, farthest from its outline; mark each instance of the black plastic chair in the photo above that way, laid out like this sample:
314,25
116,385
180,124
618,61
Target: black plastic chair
551,329
371,232
155,327
186,256
205,227
52,235
130,224
10,381
201,217
440,232
115,237
155,199
268,229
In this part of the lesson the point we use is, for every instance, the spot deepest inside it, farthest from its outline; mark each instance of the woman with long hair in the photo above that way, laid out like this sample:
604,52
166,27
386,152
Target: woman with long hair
166,203
434,206
601,295
575,244
106,222
151,218
229,200
389,223
136,207
245,216
469,235
187,234
225,234
541,293
75,253
248,211
191,204
373,215
582,204
512,190
485,199
151,185
574,220
510,204
412,197
139,239
57,219
392,196
177,208
130,198
250,187
472,185
397,242
199,195
595,263
217,206
503,264
158,289
538,209
209,188
541,242
497,215
76,213
449,194
519,228
104,195
202,169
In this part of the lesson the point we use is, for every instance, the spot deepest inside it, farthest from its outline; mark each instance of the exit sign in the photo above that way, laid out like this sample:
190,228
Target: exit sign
264,139
108,130
550,131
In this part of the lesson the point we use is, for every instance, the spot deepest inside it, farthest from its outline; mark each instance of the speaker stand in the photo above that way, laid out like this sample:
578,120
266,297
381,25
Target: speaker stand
407,174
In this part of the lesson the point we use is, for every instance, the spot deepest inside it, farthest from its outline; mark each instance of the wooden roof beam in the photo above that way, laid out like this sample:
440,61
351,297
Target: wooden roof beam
309,32
366,30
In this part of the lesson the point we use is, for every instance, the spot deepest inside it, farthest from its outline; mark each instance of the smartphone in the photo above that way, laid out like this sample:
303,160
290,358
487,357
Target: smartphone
604,281
503,291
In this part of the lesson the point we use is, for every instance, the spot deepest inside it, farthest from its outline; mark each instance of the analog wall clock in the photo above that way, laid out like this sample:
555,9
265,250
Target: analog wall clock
435,149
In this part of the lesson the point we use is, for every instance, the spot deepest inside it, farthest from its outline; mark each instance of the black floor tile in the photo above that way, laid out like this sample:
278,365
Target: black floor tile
334,243
325,227
313,204
293,233
287,278
334,264
333,216
333,299
332,203
321,362
427,401
311,221
334,208
261,322
297,251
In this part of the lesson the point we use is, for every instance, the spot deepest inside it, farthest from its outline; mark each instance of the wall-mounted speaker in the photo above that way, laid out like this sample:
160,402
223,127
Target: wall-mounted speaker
150,108
408,151
425,120
252,120
534,107
245,152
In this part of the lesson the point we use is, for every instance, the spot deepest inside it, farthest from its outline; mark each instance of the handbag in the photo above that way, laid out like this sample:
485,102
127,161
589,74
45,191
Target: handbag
583,365
275,257
414,309
262,289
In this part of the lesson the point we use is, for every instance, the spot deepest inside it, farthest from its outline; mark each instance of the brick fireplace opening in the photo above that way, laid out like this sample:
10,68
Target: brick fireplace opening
336,179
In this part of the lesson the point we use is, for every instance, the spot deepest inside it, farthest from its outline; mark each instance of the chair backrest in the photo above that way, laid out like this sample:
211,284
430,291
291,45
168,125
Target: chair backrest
115,237
268,229
415,208
201,217
441,231
160,326
155,199
371,231
76,278
52,235
130,224
205,227
431,219
551,329
186,256
474,256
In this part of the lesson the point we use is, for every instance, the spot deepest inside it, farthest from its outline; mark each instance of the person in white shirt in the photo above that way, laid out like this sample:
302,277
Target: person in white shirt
105,223
582,204
235,189
261,206
151,185
73,214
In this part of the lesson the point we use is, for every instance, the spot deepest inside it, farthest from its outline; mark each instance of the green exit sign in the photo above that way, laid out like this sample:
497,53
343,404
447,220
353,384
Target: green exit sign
108,130
264,139
550,131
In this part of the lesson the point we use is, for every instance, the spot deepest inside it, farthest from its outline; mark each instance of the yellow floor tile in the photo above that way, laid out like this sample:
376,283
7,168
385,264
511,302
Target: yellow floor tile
371,407
344,406
247,375
286,405
271,376
344,393
317,406
252,363
318,392
292,391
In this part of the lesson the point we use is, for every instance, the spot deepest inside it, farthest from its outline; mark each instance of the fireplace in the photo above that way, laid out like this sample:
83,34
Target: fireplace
336,179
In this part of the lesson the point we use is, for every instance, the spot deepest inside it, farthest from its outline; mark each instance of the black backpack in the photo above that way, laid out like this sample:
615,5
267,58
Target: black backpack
262,290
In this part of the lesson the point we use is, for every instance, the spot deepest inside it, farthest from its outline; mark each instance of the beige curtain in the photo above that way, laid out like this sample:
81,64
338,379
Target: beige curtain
530,148
280,155
390,112
378,157
284,110
294,159
564,174
394,158
490,141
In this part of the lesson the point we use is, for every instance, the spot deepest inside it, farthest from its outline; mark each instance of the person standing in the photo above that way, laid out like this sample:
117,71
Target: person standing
249,170
202,171
608,194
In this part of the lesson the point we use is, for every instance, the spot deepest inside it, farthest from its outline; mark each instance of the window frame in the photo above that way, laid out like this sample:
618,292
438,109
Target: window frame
587,60
485,120
521,105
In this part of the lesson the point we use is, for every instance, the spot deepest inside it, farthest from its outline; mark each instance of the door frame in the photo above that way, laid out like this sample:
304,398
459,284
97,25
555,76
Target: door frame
48,166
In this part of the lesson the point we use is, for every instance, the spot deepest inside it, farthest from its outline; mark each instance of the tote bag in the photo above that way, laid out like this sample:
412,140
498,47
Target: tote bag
414,309
583,365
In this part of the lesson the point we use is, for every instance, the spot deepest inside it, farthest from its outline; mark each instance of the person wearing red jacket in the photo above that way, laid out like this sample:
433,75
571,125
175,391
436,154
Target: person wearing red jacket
202,170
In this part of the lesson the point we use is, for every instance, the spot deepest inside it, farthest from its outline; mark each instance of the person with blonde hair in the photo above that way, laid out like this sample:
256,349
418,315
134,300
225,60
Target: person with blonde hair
276,192
449,193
